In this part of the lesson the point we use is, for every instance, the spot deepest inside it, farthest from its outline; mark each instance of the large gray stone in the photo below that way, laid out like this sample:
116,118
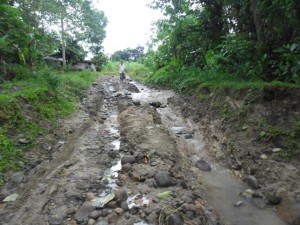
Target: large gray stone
124,206
95,214
83,212
175,219
203,165
163,179
155,104
252,182
127,159
121,195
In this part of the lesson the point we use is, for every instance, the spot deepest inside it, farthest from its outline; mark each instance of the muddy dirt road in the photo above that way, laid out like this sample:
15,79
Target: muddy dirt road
128,157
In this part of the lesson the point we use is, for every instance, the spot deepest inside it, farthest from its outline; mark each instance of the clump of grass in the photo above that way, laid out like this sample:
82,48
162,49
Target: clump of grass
29,106
110,68
137,71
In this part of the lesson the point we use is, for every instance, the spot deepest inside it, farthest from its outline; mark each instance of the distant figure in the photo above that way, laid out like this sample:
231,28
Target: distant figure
122,71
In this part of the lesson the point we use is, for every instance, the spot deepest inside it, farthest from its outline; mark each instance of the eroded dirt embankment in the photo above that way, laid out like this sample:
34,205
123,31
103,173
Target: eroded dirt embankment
255,134
129,157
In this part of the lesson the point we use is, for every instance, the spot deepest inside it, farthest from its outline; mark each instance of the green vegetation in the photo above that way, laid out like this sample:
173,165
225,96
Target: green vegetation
26,36
135,70
29,106
128,54
224,44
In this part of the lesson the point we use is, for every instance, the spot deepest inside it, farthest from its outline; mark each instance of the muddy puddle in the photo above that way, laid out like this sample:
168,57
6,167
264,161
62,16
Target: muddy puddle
224,192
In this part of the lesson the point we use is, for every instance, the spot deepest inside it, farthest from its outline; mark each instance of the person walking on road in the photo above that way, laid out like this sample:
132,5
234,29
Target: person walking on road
122,71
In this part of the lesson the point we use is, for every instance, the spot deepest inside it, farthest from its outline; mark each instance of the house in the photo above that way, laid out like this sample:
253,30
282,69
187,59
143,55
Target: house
82,65
53,62
85,65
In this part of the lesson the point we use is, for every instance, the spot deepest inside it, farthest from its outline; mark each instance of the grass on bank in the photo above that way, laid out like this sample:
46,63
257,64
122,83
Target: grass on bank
194,81
191,79
29,105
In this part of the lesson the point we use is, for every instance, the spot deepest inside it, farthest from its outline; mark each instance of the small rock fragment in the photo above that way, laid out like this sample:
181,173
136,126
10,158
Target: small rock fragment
239,203
203,165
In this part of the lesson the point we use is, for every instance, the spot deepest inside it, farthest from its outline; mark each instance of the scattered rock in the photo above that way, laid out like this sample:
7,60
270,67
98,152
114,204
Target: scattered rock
121,195
247,193
155,104
52,220
104,212
273,198
175,219
264,156
239,203
153,163
11,198
91,222
127,159
252,182
126,168
83,212
188,136
17,177
95,214
189,214
150,182
182,130
203,165
112,154
24,141
134,210
151,218
102,222
124,206
276,149
127,216
259,202
119,211
112,204
163,179
90,196
183,184
136,102
113,218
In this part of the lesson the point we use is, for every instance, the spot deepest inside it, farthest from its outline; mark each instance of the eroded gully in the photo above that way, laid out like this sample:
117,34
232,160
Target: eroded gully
224,192
87,181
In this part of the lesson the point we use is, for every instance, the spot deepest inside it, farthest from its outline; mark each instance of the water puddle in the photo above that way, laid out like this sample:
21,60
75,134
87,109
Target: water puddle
223,190
110,176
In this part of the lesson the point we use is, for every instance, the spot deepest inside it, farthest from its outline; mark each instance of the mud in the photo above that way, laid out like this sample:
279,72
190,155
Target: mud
134,155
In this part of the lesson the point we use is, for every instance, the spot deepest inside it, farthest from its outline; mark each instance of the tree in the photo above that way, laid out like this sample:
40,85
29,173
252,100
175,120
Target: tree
13,36
128,54
100,60
75,18
265,32
73,51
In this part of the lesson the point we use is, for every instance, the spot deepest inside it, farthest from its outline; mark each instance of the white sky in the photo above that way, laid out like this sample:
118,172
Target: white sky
129,23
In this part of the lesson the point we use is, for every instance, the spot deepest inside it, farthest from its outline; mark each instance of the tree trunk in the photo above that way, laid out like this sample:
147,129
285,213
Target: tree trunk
63,47
257,21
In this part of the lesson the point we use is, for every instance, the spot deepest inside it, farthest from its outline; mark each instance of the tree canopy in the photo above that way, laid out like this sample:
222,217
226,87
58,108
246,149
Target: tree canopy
252,38
33,29
128,54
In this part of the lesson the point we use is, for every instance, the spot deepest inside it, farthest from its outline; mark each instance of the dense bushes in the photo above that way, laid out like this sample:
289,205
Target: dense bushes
237,41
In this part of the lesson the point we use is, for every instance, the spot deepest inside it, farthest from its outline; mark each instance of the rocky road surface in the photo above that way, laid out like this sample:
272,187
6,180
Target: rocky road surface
126,157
